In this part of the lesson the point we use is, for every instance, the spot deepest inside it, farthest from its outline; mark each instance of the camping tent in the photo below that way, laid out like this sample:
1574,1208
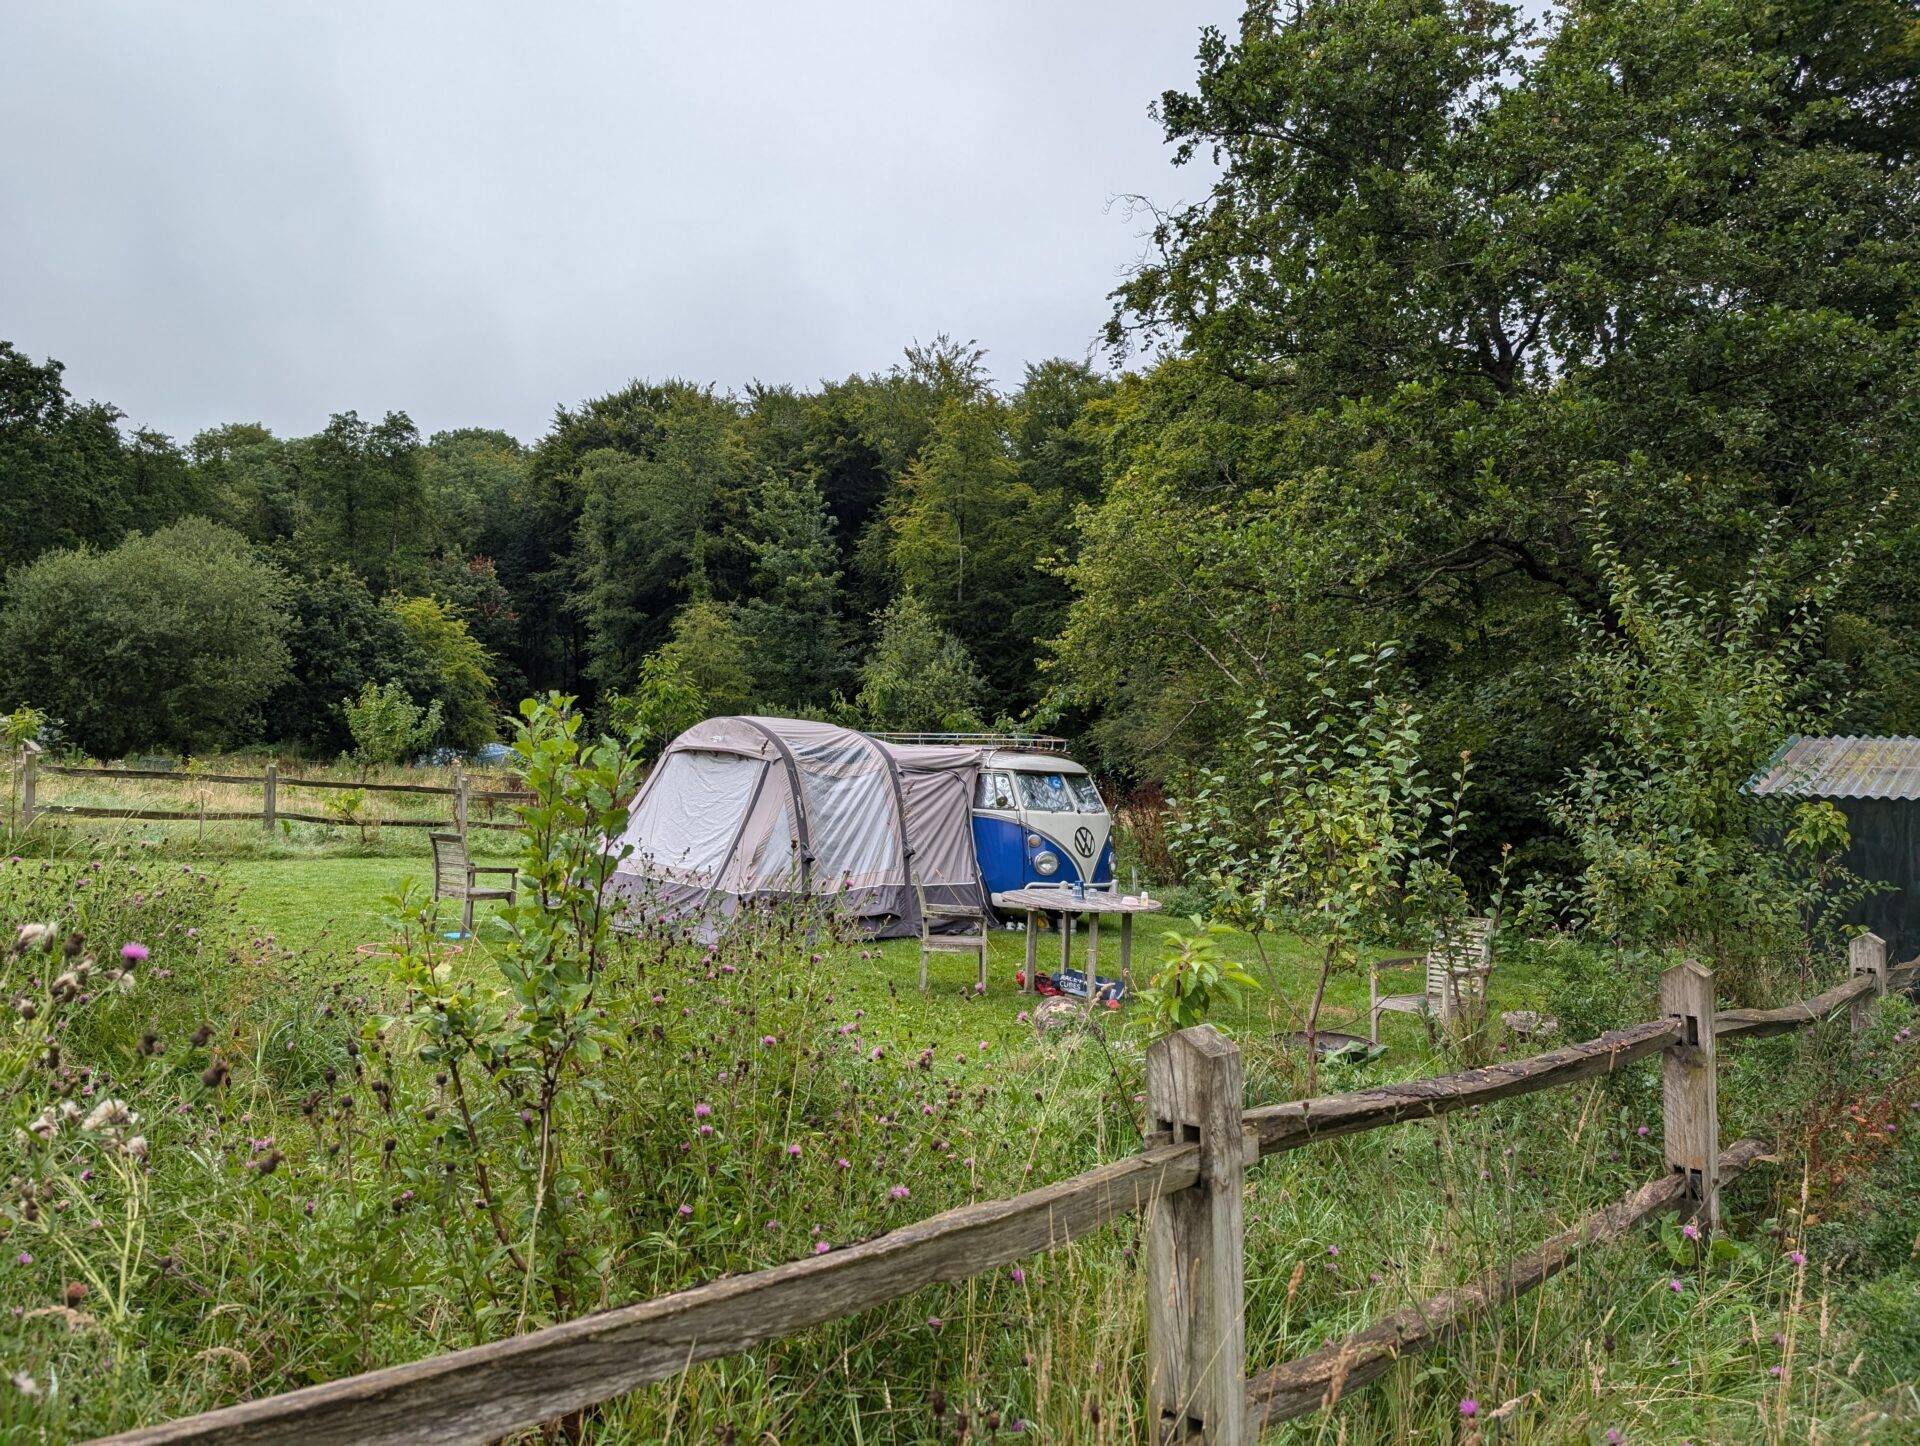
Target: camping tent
739,809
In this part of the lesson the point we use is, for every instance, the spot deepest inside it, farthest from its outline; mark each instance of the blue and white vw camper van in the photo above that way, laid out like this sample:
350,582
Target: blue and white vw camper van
1039,821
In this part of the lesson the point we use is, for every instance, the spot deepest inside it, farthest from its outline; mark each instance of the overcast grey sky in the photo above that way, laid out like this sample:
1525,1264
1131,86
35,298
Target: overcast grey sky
242,211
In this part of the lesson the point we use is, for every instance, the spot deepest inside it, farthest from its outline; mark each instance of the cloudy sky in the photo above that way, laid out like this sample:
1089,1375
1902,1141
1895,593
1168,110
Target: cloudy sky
474,211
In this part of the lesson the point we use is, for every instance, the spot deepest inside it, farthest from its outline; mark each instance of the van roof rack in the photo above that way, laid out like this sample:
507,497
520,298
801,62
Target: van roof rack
1031,742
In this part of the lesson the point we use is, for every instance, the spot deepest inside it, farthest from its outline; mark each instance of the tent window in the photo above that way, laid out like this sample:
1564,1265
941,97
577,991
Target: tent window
691,814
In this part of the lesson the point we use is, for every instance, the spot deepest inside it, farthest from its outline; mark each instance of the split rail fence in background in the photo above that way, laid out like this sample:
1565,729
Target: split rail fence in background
462,792
1188,1183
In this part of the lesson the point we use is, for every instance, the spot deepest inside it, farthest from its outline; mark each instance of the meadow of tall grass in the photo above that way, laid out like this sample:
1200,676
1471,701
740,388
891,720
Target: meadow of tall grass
232,1169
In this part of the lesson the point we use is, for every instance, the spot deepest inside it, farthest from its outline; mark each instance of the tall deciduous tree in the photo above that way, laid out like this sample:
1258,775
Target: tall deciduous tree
1455,278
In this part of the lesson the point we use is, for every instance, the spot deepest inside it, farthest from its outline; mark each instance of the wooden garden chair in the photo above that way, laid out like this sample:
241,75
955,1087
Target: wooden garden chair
971,941
1457,968
457,876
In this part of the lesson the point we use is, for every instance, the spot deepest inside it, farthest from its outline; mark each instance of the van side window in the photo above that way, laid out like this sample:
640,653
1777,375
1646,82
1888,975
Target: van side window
995,790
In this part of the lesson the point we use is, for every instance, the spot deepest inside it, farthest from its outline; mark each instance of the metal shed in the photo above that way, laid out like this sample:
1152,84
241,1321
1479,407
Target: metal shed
1875,782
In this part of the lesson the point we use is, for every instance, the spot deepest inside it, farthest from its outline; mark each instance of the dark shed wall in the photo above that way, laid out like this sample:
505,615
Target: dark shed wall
1886,850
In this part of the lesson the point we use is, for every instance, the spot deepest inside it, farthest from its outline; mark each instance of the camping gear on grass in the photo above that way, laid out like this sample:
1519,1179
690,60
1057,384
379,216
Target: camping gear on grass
740,810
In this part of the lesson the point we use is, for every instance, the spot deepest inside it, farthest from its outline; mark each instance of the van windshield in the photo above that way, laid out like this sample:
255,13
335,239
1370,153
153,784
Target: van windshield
1059,793
1045,792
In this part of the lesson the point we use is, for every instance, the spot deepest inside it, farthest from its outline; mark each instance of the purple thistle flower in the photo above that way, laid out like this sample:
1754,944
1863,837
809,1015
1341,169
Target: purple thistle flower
701,1111
1690,1230
686,1210
1019,1275
132,952
1676,1286
1469,1408
1797,1257
900,1192
820,1247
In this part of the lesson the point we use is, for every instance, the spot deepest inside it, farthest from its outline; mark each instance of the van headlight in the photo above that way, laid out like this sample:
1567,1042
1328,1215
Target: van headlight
1046,863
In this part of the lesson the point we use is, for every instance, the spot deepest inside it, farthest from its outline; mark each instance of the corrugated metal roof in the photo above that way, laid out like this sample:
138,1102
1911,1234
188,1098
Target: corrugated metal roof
1843,768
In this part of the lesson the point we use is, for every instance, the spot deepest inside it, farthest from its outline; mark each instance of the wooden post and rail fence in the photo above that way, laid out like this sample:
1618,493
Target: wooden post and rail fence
1188,1183
462,795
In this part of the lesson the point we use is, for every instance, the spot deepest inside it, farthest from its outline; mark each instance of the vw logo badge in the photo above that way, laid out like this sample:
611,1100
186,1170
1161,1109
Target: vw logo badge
1083,842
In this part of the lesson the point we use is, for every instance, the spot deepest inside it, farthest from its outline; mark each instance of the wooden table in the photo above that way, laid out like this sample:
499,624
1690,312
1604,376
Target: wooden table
1066,904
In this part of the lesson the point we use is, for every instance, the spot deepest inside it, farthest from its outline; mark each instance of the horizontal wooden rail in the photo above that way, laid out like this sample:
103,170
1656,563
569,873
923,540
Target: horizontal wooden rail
253,816
176,775
1300,1122
1758,1023
74,810
172,775
1320,1379
490,1390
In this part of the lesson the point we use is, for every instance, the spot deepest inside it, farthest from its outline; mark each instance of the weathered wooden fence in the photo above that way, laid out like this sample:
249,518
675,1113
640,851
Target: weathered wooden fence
464,795
1188,1182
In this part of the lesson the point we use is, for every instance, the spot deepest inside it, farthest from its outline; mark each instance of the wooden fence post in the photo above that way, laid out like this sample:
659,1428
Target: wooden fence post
29,763
1690,1100
272,792
1195,1257
1867,954
460,802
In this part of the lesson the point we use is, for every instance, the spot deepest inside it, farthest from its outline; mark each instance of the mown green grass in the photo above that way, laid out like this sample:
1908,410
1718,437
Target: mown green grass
338,904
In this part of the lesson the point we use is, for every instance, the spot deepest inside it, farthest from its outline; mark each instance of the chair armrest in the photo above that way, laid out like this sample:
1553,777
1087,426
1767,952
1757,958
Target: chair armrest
493,869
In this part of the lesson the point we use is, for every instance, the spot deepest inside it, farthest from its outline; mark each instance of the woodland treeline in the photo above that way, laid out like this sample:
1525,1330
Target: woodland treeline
1477,313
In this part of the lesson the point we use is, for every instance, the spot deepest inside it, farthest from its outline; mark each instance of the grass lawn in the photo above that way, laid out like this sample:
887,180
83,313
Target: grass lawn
334,904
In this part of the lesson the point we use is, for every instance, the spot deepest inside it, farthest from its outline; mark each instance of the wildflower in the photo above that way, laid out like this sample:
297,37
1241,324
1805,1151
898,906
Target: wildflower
25,1258
46,1124
1773,1371
935,1322
878,1053
25,1384
686,1210
1641,1132
1676,1286
108,1114
983,1044
768,1040
1333,1250
1614,1438
706,1130
136,1147
133,953
1022,1017
32,936
1469,1408
1690,1230
843,1163
701,1111
773,1225
900,1192
794,1149
1797,1257
1019,1276
820,1247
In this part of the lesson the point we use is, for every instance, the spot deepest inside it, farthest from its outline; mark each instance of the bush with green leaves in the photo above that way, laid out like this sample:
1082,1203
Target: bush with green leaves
173,640
387,726
1690,693
1328,823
